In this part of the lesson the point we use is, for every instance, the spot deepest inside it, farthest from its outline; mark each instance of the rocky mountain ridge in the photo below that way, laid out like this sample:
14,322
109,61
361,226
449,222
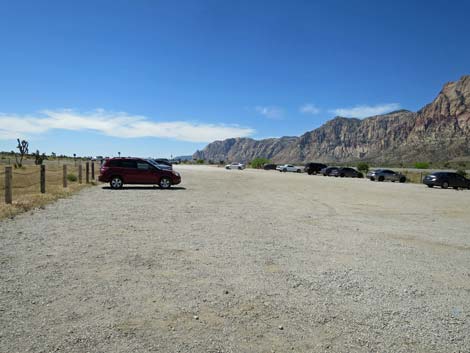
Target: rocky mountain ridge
440,131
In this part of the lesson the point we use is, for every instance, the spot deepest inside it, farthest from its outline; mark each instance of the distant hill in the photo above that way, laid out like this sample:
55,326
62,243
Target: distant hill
184,158
438,132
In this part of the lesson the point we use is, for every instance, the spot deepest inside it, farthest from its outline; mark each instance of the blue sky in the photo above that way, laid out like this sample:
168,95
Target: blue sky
161,78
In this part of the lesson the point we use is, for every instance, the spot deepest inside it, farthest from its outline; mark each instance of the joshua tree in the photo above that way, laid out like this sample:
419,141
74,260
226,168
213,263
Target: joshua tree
23,148
39,158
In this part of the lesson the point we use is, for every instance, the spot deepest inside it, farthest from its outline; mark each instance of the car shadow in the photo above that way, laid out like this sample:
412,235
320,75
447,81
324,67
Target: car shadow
174,188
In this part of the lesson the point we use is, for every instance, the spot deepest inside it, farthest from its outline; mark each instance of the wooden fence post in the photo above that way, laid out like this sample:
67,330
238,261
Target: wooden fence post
43,178
80,173
64,175
87,172
8,184
93,170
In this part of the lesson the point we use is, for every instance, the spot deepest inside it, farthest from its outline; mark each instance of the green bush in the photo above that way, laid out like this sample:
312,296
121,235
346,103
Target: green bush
259,163
72,177
363,167
200,161
421,165
462,172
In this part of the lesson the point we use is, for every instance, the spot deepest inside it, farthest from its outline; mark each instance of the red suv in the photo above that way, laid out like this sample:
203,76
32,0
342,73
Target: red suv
120,171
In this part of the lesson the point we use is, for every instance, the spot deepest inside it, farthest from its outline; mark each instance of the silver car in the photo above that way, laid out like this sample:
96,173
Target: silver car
386,174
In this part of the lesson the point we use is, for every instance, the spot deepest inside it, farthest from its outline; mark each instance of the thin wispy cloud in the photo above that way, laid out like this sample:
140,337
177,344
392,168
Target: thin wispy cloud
363,111
115,124
270,112
309,109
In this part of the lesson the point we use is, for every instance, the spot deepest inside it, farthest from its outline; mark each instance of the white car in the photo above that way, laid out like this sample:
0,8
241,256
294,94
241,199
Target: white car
238,166
288,168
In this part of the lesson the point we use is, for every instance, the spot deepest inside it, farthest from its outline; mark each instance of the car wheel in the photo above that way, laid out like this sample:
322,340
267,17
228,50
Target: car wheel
402,179
116,183
165,183
430,186
341,175
372,178
299,171
445,185
381,178
239,168
284,170
227,168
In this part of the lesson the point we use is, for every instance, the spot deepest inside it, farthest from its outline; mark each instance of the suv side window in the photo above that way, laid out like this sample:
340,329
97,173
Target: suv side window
143,166
114,163
128,164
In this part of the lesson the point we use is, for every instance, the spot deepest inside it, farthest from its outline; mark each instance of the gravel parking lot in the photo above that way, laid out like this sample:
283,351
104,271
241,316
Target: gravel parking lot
240,261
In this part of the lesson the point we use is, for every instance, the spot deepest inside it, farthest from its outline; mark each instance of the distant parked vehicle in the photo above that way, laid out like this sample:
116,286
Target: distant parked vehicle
163,161
386,174
238,166
314,168
346,172
289,168
328,170
270,166
120,171
446,180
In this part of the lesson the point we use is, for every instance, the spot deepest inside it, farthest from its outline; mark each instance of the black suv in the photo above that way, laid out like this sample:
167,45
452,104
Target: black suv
346,172
314,168
270,166
446,179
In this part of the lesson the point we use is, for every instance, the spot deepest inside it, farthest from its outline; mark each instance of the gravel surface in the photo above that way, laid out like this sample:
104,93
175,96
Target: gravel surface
240,261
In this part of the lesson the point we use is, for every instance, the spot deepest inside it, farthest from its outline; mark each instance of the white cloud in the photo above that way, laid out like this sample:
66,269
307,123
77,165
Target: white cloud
309,109
363,111
270,112
116,124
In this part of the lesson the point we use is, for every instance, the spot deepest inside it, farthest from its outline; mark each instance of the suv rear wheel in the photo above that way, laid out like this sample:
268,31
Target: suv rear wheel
445,185
116,183
165,183
381,178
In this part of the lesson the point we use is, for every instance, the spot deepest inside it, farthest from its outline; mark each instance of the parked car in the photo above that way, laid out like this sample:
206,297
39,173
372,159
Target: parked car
346,172
446,179
327,171
238,166
120,171
386,174
288,168
163,161
164,166
314,168
270,166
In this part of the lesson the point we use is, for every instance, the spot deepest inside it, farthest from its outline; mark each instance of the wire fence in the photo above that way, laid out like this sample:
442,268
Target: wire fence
17,184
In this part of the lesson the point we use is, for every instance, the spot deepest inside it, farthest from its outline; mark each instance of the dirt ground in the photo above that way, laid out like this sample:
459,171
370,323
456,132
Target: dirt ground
240,261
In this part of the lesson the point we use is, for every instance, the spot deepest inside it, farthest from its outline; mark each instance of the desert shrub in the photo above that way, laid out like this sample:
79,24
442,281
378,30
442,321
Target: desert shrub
200,161
258,163
462,172
421,165
72,177
363,167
